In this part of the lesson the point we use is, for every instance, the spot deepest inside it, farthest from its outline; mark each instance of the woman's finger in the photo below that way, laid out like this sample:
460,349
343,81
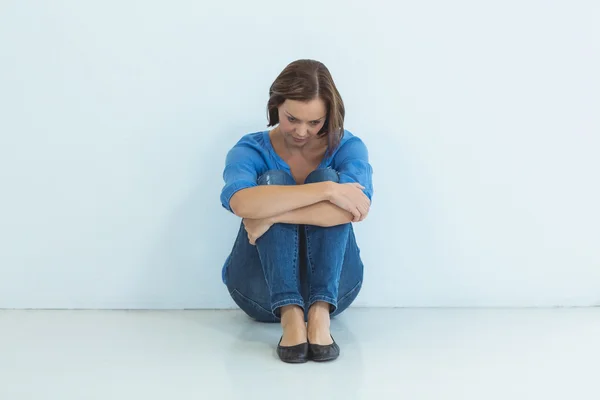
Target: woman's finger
364,214
364,210
356,213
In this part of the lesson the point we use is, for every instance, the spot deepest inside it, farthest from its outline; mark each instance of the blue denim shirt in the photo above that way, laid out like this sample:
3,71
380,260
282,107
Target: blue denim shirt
253,155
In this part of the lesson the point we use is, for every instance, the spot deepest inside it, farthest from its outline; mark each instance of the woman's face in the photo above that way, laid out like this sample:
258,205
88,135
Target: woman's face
299,122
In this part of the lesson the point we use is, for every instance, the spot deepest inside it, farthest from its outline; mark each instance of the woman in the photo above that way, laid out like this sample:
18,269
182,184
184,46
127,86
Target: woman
298,188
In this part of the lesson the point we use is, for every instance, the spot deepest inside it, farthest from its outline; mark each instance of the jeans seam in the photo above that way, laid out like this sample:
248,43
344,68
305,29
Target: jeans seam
313,299
249,300
311,263
281,303
296,251
288,300
351,291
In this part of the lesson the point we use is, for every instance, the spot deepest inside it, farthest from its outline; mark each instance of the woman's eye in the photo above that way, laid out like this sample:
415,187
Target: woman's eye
315,123
291,119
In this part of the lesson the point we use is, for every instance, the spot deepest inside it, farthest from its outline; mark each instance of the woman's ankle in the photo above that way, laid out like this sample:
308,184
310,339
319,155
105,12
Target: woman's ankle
319,309
291,313
292,323
293,317
319,323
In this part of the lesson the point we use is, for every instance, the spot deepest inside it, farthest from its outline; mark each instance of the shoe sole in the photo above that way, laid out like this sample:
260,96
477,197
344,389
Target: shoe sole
324,359
294,361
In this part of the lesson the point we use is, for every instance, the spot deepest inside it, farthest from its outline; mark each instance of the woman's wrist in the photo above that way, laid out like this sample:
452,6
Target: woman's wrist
328,190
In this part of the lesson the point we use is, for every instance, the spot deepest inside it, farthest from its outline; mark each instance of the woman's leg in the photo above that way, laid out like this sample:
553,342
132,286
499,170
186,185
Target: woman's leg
246,280
264,279
334,270
278,252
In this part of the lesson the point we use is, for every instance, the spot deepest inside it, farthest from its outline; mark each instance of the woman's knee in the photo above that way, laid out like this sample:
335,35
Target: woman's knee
323,175
276,177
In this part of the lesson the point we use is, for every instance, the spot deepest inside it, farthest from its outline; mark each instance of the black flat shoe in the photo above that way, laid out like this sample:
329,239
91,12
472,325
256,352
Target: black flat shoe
293,354
317,352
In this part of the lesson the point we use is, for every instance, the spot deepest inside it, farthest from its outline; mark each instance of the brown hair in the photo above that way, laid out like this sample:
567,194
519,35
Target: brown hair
305,80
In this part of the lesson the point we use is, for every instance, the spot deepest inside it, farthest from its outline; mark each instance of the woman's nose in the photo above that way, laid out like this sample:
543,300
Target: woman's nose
301,132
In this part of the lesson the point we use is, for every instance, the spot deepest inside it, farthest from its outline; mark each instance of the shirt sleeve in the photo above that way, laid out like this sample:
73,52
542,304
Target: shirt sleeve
352,164
241,171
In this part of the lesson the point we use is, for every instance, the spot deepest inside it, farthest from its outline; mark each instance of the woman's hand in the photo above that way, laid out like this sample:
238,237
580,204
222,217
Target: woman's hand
350,197
256,228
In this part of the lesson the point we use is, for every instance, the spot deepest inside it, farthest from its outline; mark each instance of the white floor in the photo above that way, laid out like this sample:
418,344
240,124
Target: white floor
386,353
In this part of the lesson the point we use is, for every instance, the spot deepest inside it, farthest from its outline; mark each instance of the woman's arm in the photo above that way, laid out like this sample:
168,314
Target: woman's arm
323,214
267,201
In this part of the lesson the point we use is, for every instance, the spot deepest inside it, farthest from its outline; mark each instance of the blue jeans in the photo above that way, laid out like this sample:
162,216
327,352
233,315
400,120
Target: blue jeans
294,264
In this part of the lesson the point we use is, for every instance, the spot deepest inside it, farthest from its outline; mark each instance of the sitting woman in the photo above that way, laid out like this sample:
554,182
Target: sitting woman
298,188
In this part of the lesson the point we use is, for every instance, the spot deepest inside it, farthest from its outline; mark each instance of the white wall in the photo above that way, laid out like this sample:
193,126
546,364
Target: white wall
482,120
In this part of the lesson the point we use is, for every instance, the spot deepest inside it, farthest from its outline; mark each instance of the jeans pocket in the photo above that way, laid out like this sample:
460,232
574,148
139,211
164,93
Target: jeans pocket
252,308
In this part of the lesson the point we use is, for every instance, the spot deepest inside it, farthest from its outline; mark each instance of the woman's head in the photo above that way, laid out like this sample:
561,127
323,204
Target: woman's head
306,104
